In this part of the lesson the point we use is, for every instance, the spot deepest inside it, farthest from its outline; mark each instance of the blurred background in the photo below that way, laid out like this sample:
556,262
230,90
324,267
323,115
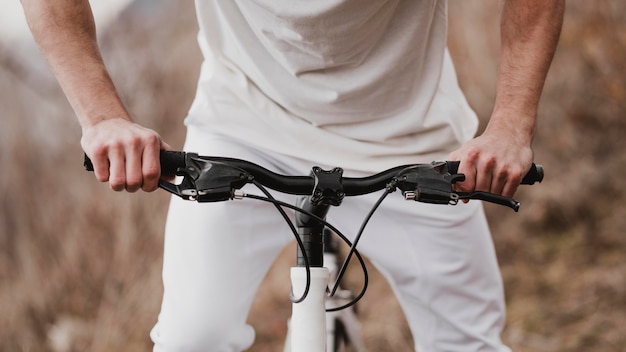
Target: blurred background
80,265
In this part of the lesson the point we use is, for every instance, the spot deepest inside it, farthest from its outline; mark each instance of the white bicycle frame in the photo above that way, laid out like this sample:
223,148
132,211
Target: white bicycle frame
311,328
347,317
308,318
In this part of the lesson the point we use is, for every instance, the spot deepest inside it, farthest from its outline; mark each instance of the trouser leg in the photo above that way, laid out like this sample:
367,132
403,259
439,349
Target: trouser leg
215,256
440,262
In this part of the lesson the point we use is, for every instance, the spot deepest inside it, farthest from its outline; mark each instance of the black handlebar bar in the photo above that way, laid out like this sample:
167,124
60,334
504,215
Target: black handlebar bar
208,179
172,160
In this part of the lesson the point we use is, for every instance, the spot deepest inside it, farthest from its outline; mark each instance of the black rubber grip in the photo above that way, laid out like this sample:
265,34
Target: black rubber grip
87,163
535,174
170,162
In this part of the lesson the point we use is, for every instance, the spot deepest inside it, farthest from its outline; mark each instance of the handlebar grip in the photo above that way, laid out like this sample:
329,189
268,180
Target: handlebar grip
87,163
170,162
535,174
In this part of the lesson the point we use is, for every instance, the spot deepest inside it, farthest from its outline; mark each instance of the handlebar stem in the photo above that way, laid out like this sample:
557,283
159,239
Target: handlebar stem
311,231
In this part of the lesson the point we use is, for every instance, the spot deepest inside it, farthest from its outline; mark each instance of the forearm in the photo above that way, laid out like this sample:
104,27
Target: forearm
123,153
530,31
497,160
66,35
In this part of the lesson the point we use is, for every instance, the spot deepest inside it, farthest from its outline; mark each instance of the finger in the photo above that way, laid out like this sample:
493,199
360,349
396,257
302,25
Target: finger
469,170
514,178
484,175
151,168
134,177
498,181
509,189
483,181
117,178
100,162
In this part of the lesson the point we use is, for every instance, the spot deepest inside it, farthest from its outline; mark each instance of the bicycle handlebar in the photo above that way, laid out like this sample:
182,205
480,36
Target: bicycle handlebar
210,179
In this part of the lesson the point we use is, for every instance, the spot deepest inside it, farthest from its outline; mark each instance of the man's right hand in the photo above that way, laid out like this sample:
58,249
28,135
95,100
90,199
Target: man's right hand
124,154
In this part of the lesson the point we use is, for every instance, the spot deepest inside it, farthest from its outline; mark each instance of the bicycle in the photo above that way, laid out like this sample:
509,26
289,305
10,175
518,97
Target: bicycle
214,179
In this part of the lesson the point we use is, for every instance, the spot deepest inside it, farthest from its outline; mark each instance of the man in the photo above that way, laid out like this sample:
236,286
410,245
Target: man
289,84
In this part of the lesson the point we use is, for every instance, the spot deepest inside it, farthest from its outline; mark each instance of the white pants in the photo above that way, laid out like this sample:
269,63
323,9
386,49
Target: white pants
439,260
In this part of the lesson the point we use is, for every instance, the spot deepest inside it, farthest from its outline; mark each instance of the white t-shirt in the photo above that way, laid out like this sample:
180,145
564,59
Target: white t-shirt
360,84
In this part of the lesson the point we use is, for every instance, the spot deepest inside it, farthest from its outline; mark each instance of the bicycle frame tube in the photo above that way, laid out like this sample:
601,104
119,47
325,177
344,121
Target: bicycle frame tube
308,320
342,327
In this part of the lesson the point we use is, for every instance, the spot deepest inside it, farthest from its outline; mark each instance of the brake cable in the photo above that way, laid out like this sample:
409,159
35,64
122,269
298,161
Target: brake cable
279,205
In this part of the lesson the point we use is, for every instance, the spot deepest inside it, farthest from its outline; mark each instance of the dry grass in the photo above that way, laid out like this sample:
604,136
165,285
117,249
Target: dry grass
80,265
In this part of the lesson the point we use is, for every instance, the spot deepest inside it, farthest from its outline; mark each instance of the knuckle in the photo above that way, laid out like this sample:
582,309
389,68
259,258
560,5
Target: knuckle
152,172
151,139
490,161
117,183
133,143
99,150
472,154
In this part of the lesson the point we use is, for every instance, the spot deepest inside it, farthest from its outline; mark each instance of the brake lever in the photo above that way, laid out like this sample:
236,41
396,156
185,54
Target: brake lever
491,198
486,196
186,190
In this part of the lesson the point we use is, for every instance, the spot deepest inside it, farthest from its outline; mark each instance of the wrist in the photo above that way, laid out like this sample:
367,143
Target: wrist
91,122
518,126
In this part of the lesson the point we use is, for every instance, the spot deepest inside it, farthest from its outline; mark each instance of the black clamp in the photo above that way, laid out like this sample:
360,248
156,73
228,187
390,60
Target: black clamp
207,181
428,183
328,187
433,184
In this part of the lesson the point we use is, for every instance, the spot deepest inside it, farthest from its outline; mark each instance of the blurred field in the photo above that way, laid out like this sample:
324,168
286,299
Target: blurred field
80,265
